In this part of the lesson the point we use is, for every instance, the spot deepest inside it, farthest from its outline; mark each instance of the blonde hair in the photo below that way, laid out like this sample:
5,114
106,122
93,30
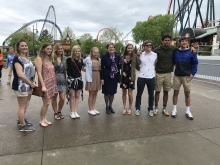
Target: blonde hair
42,54
91,53
74,48
55,49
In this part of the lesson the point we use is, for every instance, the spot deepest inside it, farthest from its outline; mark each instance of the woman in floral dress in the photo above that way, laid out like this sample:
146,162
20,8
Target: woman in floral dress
46,79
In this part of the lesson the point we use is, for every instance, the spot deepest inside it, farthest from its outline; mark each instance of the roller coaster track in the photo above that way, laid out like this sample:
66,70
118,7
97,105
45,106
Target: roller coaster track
32,22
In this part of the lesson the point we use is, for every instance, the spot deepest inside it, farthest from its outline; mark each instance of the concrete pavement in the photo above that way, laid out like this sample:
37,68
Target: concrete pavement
114,139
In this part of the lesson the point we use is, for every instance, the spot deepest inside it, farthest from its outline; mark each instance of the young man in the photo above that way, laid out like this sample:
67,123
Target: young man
164,67
9,62
146,76
186,67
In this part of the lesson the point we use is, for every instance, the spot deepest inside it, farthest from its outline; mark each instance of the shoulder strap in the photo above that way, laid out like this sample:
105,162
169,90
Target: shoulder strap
76,66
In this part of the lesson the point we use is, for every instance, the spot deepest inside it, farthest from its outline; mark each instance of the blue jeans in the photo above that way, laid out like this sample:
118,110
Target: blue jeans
140,88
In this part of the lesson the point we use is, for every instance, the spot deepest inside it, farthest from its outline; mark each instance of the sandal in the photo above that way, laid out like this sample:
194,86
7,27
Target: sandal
43,124
57,116
129,111
49,123
61,115
124,112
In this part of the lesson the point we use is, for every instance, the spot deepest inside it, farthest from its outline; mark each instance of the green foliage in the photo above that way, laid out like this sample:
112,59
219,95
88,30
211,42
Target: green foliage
69,31
111,35
153,29
45,37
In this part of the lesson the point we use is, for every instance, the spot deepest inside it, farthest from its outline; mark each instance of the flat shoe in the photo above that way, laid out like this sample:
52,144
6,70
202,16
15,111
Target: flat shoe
129,111
49,123
43,124
124,112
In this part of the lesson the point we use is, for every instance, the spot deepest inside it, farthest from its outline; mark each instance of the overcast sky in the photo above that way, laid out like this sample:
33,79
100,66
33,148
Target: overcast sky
83,16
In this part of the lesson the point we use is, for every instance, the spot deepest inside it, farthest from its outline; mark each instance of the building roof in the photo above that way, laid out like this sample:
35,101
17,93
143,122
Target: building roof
208,33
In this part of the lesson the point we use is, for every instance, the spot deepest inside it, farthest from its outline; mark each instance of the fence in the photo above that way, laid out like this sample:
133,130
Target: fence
209,68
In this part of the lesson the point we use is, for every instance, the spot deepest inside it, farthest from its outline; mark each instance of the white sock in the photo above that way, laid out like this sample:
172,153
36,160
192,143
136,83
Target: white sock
174,107
187,109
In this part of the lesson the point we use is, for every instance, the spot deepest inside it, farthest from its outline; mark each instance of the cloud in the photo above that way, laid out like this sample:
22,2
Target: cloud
83,16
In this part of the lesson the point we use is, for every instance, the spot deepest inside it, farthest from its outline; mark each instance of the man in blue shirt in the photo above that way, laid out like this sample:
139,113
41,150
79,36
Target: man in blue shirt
186,67
8,65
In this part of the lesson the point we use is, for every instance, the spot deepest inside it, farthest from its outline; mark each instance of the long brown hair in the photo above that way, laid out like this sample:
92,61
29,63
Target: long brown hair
73,51
55,49
42,54
91,53
126,52
17,51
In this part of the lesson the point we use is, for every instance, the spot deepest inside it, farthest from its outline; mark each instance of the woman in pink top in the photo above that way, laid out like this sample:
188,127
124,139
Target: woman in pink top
46,79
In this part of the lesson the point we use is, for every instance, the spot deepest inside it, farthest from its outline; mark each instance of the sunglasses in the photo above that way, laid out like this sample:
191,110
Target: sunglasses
148,45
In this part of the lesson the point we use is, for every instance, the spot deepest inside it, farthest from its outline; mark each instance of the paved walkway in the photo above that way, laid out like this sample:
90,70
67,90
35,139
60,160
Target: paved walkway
114,139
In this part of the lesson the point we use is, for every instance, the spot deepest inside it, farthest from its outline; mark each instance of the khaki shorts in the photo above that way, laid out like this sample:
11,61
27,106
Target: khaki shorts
23,94
179,80
163,80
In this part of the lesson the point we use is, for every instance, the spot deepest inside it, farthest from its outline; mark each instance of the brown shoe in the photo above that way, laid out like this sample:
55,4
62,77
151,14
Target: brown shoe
155,111
165,112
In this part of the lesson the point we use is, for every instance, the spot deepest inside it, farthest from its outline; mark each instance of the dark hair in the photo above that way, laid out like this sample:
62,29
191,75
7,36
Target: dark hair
166,36
146,42
110,43
182,38
0,51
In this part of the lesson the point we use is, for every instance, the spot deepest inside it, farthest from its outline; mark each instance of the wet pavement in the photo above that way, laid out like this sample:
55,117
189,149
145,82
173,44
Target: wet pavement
115,138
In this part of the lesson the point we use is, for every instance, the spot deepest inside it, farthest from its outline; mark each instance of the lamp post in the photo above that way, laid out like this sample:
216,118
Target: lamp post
33,38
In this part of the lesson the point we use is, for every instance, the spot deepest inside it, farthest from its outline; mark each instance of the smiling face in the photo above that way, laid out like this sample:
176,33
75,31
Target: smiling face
183,43
148,46
77,52
95,53
166,42
60,50
23,48
130,49
48,50
111,49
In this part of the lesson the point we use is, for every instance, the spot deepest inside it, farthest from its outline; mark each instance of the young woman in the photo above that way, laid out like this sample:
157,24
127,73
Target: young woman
8,64
59,62
74,80
128,75
46,79
109,76
1,63
22,84
92,76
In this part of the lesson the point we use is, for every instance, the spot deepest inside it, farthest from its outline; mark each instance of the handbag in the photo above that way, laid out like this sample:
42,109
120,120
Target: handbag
37,91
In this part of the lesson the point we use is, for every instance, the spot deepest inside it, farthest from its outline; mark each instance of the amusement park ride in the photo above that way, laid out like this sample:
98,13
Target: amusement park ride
187,13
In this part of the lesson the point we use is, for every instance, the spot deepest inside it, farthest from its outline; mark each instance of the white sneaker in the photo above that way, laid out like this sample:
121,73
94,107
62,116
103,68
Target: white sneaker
174,113
72,115
92,112
77,116
151,113
97,112
189,115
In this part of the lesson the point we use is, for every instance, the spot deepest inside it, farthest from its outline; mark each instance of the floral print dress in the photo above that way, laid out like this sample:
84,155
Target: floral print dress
126,82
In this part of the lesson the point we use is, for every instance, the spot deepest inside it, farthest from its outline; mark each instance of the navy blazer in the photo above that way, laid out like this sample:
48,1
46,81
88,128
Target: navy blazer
106,64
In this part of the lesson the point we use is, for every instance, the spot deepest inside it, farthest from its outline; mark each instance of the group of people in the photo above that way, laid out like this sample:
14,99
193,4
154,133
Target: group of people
58,75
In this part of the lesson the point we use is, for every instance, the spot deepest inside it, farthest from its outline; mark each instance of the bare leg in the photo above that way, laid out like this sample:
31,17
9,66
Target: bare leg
187,98
54,102
72,100
62,96
124,93
46,103
94,99
77,94
91,95
28,102
165,97
22,103
130,96
175,97
157,96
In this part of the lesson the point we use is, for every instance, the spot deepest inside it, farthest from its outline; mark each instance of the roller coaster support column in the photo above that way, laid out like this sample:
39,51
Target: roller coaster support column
33,39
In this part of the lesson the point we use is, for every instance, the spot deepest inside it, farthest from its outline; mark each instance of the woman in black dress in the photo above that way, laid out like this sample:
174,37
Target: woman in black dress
128,75
109,76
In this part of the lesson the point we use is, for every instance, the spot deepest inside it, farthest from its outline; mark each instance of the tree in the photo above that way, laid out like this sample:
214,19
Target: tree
85,36
153,29
111,35
69,31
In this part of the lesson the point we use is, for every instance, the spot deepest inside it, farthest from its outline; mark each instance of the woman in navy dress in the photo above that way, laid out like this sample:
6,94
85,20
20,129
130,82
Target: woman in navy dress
109,76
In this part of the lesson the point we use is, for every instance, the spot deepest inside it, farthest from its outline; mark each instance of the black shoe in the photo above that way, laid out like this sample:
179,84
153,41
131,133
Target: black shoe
26,122
26,128
107,110
111,110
